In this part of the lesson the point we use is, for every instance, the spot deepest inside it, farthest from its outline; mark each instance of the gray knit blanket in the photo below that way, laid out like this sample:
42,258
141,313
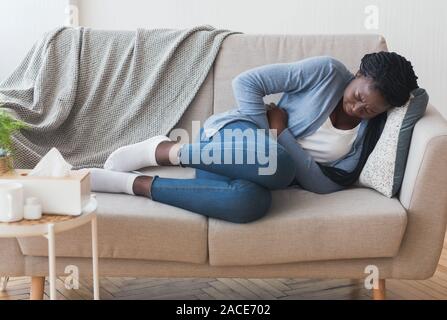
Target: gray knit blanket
88,92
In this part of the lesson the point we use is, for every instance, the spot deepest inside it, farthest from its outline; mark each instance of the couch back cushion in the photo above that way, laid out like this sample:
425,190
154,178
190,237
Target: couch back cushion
200,108
240,52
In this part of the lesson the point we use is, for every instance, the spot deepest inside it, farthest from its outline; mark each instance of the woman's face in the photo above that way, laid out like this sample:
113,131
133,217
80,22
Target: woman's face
361,100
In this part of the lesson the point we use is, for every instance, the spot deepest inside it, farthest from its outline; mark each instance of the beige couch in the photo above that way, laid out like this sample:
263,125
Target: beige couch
305,235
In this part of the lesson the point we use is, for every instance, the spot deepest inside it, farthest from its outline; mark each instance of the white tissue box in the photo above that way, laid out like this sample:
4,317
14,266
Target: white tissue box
58,195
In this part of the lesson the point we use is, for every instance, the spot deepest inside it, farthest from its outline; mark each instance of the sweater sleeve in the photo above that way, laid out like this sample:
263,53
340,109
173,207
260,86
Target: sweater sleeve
251,86
308,173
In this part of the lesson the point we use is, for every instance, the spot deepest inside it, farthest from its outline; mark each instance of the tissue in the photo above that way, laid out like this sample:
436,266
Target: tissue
52,164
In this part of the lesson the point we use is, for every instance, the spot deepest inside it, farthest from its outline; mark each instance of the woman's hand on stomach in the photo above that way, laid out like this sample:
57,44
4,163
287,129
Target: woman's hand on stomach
277,118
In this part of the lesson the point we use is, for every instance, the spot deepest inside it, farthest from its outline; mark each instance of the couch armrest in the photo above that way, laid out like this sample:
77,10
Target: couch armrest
424,196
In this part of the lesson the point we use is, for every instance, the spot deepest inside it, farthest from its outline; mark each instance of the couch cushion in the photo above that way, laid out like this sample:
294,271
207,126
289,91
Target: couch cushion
305,226
385,168
200,108
135,228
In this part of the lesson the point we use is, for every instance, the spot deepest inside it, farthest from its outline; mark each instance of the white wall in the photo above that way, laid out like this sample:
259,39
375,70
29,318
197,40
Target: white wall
22,22
414,28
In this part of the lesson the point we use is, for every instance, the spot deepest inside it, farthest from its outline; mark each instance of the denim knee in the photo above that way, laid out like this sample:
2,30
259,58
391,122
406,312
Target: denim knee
286,169
249,203
284,174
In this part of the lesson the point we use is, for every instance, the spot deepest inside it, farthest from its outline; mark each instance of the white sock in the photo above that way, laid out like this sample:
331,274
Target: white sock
135,156
112,181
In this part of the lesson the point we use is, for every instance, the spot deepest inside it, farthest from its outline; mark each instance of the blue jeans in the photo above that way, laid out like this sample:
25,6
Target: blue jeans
232,190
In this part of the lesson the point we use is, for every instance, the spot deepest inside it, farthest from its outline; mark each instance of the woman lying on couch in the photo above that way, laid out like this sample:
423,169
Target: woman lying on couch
327,122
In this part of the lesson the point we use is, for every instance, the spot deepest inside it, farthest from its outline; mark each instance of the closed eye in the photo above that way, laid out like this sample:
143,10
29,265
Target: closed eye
358,97
369,110
362,99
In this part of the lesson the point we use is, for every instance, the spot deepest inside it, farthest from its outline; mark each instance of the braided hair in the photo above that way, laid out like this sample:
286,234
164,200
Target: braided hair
392,75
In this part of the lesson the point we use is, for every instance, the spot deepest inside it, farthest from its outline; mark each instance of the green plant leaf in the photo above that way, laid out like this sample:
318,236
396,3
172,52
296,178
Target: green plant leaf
8,126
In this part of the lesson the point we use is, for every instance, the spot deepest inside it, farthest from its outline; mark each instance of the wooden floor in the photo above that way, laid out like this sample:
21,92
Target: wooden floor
236,288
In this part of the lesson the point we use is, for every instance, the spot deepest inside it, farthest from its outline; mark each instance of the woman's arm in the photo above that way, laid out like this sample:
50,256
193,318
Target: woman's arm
308,173
277,118
251,86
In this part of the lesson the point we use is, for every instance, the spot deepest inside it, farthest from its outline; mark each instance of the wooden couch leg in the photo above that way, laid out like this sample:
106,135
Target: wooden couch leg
4,283
379,293
37,288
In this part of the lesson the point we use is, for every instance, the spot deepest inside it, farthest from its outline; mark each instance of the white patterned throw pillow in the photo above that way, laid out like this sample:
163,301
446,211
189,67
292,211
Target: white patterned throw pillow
385,167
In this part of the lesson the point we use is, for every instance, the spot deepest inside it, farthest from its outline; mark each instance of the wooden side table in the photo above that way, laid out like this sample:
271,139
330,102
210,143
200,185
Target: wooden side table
48,226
